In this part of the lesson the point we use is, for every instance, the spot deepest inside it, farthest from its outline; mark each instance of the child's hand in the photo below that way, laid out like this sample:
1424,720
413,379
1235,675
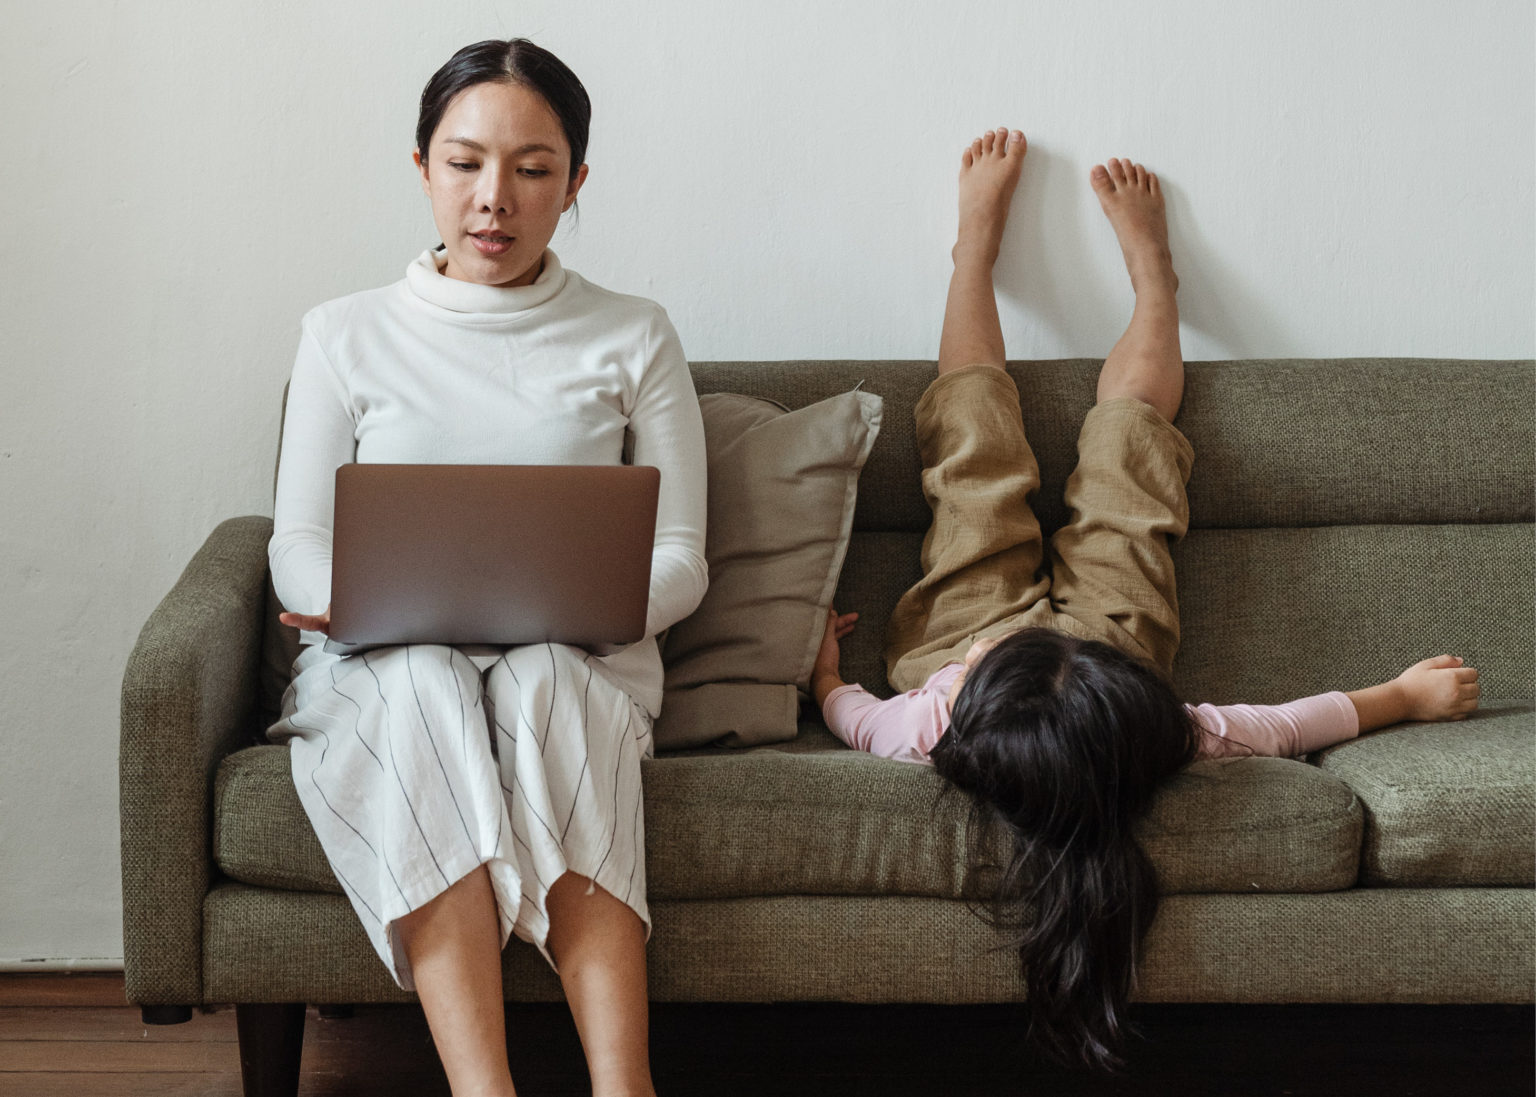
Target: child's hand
1441,688
829,658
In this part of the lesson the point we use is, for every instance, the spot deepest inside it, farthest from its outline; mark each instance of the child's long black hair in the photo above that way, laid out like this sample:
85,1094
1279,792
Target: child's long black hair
1064,741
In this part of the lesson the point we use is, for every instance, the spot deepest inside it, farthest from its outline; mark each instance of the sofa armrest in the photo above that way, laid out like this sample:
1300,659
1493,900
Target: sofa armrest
187,695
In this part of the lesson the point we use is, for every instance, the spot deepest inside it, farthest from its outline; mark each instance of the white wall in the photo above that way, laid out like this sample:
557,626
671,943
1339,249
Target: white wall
183,179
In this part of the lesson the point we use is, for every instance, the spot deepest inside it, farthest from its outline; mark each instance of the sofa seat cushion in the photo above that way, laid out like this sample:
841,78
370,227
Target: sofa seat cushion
810,817
1447,805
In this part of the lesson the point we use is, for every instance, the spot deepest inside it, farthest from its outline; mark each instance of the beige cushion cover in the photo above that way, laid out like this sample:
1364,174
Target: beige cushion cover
782,488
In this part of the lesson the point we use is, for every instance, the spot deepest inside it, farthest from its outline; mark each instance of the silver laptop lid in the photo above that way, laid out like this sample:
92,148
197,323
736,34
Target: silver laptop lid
492,554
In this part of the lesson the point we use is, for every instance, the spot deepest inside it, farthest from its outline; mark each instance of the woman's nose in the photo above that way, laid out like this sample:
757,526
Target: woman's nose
495,192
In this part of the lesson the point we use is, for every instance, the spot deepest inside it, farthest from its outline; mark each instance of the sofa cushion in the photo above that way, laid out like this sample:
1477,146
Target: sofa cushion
824,820
1253,825
1446,804
1275,614
810,817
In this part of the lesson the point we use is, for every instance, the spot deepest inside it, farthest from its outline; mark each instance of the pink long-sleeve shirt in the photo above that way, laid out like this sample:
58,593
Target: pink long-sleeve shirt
907,726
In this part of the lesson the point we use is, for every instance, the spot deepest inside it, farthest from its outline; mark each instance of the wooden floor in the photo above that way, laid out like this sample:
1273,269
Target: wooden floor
52,1049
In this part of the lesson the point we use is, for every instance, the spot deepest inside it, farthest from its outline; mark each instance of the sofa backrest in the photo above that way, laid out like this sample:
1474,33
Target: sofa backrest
1348,516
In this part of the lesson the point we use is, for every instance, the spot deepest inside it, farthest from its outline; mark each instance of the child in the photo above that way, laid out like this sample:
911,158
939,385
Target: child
1042,691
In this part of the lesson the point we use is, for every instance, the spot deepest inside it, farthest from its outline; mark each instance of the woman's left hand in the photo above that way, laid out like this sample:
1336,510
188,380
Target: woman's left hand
308,622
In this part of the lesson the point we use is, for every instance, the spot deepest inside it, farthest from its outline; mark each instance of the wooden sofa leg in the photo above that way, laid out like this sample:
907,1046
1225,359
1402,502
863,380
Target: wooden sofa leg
271,1044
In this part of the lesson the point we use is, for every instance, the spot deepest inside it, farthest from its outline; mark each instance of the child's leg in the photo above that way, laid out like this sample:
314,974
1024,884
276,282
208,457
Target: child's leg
1112,569
1146,363
989,173
982,553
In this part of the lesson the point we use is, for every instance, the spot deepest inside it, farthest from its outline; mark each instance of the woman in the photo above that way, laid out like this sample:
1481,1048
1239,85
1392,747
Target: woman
463,794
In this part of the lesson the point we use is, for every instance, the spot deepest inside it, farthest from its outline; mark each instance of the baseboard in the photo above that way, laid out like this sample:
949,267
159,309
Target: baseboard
87,963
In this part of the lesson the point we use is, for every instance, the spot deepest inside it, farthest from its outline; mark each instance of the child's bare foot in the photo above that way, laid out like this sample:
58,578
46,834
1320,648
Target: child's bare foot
1133,202
1146,364
989,172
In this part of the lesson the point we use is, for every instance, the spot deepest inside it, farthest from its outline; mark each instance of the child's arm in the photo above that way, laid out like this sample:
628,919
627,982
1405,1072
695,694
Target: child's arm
903,727
1441,688
1435,689
826,675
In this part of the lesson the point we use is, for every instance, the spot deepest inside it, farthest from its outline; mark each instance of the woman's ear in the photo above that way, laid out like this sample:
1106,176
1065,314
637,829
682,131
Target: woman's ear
421,166
570,191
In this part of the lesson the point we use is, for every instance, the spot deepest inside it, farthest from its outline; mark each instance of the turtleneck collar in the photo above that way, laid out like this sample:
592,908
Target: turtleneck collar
427,281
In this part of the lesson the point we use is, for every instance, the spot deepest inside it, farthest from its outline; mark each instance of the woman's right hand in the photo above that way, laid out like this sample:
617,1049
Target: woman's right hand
308,622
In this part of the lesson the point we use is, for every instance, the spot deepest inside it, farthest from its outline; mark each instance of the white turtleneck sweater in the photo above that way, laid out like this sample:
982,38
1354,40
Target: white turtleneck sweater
433,370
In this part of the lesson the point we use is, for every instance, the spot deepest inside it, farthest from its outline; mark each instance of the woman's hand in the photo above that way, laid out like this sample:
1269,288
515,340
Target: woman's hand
826,675
1439,688
308,622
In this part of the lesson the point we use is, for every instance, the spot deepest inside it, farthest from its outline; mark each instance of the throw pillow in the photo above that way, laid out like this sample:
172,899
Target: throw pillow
782,487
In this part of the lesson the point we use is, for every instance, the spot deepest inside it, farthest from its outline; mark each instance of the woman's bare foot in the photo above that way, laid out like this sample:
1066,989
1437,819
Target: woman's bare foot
1132,199
989,173
1146,364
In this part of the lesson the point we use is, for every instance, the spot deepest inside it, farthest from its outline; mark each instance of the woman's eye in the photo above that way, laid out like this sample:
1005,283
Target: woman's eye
461,165
535,173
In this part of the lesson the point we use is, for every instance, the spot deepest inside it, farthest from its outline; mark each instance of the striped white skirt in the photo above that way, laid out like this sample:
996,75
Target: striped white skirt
418,764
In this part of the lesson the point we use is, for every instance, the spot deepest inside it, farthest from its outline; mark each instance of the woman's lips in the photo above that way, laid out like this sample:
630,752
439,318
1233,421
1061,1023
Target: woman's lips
491,243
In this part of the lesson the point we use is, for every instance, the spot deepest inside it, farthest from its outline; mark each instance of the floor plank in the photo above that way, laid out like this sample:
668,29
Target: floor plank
62,988
117,1056
64,1084
95,1024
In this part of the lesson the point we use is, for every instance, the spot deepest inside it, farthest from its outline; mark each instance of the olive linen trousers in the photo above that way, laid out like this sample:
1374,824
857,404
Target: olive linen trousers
1110,576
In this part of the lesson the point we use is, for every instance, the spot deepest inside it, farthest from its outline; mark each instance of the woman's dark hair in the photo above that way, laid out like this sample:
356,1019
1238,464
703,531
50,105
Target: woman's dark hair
517,61
1060,743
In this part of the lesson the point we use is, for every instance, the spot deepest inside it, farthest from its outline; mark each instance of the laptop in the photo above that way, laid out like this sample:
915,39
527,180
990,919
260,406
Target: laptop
492,554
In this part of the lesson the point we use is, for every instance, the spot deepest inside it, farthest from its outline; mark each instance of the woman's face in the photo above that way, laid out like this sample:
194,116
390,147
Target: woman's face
498,175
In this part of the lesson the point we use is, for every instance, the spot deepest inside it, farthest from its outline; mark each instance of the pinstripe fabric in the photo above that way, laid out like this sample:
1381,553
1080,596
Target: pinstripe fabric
418,764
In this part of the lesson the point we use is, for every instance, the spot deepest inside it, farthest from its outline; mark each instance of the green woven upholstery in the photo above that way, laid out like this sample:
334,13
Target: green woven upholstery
1446,804
1434,945
1341,607
825,820
186,703
1312,442
1349,517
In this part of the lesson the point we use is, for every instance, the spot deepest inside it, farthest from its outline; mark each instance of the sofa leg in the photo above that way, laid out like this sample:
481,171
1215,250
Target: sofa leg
271,1043
165,1015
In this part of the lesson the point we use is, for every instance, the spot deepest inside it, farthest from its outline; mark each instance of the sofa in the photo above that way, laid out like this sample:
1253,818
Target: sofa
1348,517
